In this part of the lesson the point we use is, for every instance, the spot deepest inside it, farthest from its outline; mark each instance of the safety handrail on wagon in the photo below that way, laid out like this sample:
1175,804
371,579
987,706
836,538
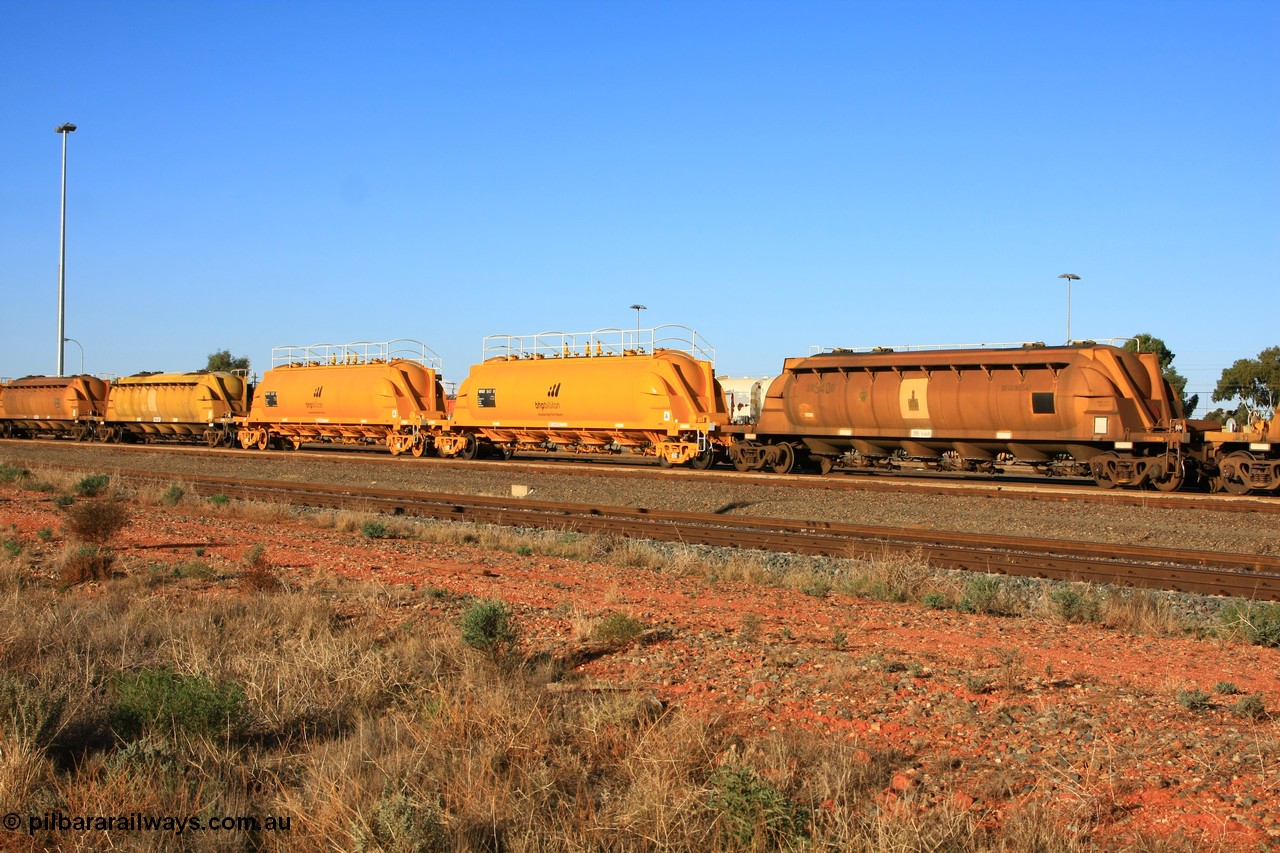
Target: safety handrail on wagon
819,350
600,342
358,352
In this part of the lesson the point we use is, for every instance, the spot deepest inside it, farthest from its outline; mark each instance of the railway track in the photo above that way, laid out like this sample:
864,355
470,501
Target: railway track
1007,488
1239,575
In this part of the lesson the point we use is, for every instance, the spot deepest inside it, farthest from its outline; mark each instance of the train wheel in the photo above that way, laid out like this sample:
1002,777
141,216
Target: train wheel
1234,480
825,464
786,461
264,441
1168,475
419,446
704,460
292,443
472,448
505,451
1103,467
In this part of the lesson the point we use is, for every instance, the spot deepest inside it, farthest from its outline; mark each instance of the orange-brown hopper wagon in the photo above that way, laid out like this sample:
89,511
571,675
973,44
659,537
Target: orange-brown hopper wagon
67,406
198,406
651,392
359,393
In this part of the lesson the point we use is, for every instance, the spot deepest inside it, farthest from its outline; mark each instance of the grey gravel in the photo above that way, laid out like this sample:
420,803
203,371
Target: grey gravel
600,484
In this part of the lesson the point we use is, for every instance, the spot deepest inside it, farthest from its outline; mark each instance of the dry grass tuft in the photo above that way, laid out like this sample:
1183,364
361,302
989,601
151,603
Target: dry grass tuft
1141,611
84,563
259,574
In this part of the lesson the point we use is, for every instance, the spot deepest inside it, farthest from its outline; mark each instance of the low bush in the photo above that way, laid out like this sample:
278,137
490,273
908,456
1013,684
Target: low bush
981,594
755,814
373,530
618,629
488,625
10,473
161,702
1075,606
97,521
400,821
1193,699
1251,707
1255,622
92,485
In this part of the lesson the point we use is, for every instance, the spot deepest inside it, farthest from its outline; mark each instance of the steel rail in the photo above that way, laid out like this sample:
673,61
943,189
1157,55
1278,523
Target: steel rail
1209,573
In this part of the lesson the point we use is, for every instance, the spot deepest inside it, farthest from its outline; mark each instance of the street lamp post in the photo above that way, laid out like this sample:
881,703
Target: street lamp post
1070,277
63,129
77,343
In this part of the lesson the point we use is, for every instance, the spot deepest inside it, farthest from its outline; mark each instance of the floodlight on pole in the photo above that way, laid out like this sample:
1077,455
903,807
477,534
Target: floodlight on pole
63,129
1070,277
638,308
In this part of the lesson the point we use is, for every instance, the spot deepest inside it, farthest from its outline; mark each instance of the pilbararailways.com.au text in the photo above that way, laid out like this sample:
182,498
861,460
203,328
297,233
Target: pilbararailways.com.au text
57,821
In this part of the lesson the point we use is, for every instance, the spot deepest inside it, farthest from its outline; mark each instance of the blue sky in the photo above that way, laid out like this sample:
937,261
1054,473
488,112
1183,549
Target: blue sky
775,175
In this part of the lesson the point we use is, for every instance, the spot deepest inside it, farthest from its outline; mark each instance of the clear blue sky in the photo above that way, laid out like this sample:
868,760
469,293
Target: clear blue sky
776,175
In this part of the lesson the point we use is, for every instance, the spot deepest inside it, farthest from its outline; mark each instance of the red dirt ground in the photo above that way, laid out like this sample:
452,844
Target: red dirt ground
987,711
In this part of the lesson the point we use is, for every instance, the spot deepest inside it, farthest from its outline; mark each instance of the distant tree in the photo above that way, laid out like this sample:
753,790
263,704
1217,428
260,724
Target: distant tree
223,360
1150,343
1240,413
1255,382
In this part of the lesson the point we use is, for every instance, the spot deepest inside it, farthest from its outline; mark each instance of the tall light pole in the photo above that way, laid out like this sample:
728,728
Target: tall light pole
638,308
1070,277
63,129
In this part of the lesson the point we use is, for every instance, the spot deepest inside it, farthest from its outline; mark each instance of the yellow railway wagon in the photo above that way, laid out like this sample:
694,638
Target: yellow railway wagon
52,405
651,392
360,393
190,406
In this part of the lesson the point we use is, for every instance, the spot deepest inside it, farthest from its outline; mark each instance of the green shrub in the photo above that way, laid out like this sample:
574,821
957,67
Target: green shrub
524,551
488,624
173,496
1257,622
1193,699
1075,606
618,629
12,547
90,486
816,585
219,500
399,822
193,569
32,713
1251,707
1226,688
981,594
161,701
756,815
935,600
374,530
9,473
44,534
63,501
